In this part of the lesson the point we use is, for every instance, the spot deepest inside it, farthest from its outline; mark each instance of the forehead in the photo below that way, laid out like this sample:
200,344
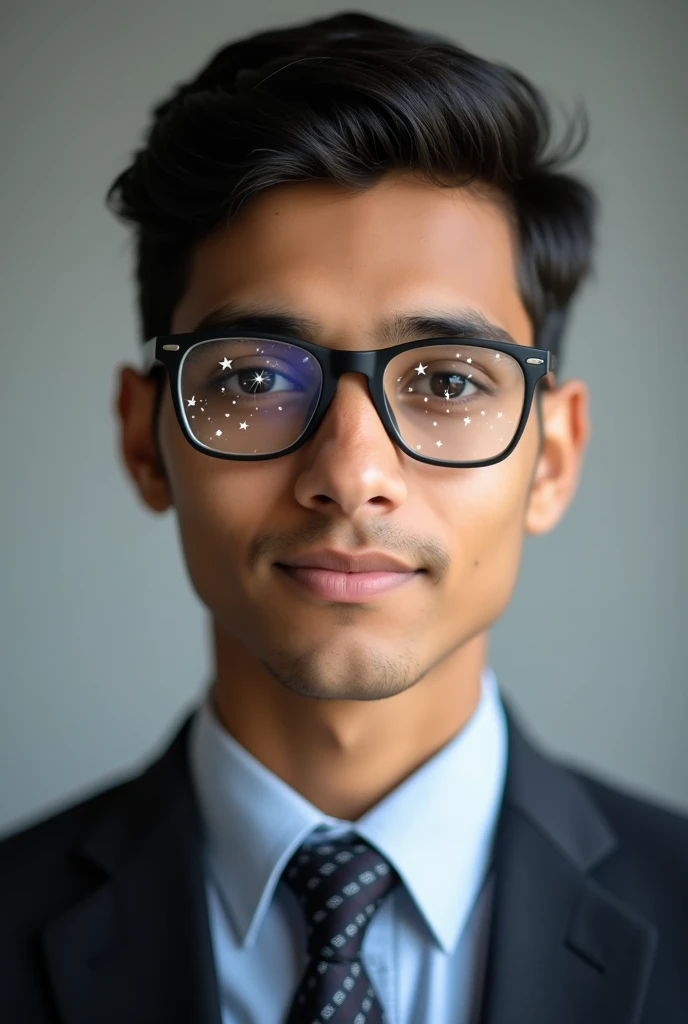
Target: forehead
349,258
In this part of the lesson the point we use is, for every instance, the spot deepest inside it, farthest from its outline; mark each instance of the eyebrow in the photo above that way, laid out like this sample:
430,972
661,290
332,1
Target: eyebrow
392,330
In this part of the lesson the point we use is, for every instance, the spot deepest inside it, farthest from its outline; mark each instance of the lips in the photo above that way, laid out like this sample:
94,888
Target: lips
343,561
332,586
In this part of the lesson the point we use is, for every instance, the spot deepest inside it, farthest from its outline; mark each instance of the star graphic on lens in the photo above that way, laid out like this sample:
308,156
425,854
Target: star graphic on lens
466,420
420,368
438,443
191,401
499,415
226,364
243,426
259,379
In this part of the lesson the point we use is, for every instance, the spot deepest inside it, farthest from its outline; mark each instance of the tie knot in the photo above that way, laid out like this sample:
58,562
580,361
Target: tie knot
340,883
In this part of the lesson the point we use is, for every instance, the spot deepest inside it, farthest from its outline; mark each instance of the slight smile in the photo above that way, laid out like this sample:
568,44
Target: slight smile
331,585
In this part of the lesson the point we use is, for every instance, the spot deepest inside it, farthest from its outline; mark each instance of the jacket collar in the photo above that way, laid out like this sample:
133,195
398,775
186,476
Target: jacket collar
561,946
137,945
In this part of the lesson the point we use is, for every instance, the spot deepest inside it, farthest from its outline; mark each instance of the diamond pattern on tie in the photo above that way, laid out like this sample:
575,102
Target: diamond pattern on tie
340,883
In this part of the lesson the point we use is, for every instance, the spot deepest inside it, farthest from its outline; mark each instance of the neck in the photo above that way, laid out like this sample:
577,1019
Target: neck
343,756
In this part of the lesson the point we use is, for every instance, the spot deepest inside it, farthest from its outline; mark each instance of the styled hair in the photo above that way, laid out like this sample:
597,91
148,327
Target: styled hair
349,98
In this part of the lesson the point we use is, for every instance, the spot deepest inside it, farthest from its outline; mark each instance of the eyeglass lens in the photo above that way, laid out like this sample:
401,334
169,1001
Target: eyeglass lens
450,401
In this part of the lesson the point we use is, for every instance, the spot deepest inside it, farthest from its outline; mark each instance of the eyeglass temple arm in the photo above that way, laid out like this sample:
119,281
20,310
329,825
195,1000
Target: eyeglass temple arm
148,359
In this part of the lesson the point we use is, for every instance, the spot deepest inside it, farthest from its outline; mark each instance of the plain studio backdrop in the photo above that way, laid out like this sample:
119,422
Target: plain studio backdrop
103,643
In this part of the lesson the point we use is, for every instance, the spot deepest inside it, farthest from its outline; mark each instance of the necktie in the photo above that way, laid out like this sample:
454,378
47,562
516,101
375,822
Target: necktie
340,883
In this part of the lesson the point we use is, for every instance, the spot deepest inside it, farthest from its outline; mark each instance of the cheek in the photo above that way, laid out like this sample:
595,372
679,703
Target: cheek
220,506
485,508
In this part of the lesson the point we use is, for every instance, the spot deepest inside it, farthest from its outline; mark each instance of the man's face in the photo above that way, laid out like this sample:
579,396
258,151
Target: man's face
349,261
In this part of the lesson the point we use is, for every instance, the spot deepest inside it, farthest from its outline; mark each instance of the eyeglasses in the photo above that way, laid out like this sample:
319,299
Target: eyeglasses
446,401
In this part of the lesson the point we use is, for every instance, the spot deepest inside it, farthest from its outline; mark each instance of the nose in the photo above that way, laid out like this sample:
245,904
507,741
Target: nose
351,466
353,403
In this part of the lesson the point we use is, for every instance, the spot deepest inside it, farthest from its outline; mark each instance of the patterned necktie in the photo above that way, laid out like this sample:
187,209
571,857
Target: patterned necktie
340,883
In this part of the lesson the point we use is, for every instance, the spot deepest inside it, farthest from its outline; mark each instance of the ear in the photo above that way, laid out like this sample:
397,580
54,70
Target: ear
566,432
135,406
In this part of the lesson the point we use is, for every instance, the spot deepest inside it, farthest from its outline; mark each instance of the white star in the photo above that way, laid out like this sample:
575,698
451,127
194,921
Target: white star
438,443
191,401
243,426
466,420
420,368
226,364
258,378
499,415
218,433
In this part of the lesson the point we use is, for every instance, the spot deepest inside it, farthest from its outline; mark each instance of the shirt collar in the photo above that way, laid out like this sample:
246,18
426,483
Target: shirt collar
436,828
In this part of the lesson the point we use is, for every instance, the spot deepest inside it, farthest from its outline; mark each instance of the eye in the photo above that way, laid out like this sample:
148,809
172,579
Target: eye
444,384
254,380
454,384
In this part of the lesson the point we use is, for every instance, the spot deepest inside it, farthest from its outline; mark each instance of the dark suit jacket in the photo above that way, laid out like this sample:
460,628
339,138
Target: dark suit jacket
103,917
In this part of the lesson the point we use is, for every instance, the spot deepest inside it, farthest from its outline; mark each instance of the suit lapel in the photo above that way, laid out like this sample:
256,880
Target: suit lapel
138,947
562,948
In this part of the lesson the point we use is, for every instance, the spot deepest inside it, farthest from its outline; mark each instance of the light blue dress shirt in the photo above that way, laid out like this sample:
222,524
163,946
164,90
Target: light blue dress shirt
425,947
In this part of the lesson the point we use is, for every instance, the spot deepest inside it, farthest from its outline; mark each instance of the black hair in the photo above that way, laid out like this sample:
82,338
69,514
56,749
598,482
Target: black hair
348,98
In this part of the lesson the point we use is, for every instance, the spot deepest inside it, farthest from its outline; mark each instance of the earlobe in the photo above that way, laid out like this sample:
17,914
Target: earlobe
135,407
153,487
566,431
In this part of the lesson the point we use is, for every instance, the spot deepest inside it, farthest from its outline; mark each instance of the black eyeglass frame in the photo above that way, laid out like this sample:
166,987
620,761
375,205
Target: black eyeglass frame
168,351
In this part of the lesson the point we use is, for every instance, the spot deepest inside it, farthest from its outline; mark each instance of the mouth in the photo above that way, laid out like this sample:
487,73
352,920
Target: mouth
346,587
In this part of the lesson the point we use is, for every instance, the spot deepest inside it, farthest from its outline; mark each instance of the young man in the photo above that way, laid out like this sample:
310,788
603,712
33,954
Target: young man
355,261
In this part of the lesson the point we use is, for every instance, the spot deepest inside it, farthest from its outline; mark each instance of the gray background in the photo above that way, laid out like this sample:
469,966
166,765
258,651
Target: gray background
103,645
